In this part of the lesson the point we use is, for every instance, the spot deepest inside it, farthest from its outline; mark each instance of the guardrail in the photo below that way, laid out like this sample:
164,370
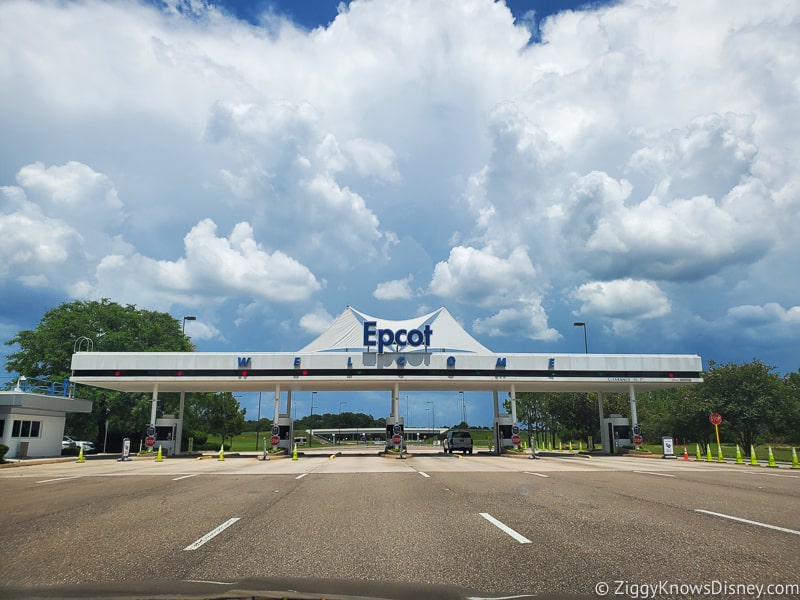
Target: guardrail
43,386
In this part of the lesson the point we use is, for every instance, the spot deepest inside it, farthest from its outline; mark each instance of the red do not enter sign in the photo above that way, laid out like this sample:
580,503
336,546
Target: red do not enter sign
715,418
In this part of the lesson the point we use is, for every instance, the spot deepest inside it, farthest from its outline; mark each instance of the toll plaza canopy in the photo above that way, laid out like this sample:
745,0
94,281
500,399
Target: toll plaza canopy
431,352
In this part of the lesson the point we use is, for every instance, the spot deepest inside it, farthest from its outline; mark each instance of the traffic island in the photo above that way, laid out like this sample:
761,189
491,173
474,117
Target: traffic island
396,454
641,454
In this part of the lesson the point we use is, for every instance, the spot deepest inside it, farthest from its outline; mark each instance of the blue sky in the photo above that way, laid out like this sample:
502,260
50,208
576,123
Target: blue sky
263,165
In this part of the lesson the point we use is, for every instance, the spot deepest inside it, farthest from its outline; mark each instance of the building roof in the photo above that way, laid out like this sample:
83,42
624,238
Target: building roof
346,333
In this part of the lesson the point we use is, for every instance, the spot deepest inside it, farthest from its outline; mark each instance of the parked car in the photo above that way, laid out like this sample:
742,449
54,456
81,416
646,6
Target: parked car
457,440
67,443
88,447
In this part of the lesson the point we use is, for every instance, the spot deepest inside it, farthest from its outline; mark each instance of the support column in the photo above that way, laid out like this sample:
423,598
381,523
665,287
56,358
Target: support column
277,403
396,402
154,405
634,416
513,404
496,406
289,404
602,429
179,433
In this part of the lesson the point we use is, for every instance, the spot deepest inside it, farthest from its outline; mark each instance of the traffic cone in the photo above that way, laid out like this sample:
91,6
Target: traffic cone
739,460
294,453
795,464
159,457
708,453
560,449
550,446
699,455
753,457
80,455
221,452
570,445
685,452
719,454
771,459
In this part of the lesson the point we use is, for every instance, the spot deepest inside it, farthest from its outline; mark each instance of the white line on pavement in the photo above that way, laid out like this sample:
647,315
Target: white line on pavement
769,474
503,527
57,479
423,473
211,534
775,527
184,477
301,475
537,474
654,473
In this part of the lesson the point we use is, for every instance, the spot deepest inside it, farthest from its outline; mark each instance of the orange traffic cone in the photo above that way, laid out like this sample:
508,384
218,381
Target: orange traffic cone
685,452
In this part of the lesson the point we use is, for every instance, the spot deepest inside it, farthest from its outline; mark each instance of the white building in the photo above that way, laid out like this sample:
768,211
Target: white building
32,418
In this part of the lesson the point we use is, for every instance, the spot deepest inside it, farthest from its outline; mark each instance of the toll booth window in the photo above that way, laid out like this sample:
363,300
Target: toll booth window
622,431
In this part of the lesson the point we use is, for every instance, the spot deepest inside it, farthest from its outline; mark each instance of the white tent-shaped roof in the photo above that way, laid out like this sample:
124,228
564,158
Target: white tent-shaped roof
346,333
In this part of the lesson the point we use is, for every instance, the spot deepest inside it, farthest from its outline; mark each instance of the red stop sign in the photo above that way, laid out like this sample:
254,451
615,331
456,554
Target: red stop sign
274,440
637,440
396,439
515,439
715,418
150,441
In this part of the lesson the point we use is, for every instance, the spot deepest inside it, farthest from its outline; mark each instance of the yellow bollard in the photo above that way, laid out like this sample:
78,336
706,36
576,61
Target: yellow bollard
159,457
221,451
80,455
739,460
771,459
795,464
753,457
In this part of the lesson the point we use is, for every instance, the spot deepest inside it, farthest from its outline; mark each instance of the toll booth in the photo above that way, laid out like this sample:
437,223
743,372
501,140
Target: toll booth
395,429
283,433
615,434
167,434
503,432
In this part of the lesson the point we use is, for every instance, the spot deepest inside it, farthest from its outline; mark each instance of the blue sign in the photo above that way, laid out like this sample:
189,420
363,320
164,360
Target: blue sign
244,362
401,337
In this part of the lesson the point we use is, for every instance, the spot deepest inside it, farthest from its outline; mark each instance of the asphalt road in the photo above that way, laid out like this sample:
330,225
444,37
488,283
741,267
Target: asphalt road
499,526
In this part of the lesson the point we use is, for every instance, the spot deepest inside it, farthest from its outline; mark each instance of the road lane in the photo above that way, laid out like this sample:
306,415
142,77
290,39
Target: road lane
365,517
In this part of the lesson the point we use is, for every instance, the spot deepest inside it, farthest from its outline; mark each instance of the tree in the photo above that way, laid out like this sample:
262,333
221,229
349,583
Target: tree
46,352
750,398
219,413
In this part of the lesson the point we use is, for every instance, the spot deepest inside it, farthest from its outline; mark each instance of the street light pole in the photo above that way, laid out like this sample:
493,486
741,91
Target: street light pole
585,343
183,329
311,421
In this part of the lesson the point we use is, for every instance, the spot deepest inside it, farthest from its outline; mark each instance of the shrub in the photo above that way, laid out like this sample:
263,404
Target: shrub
3,450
